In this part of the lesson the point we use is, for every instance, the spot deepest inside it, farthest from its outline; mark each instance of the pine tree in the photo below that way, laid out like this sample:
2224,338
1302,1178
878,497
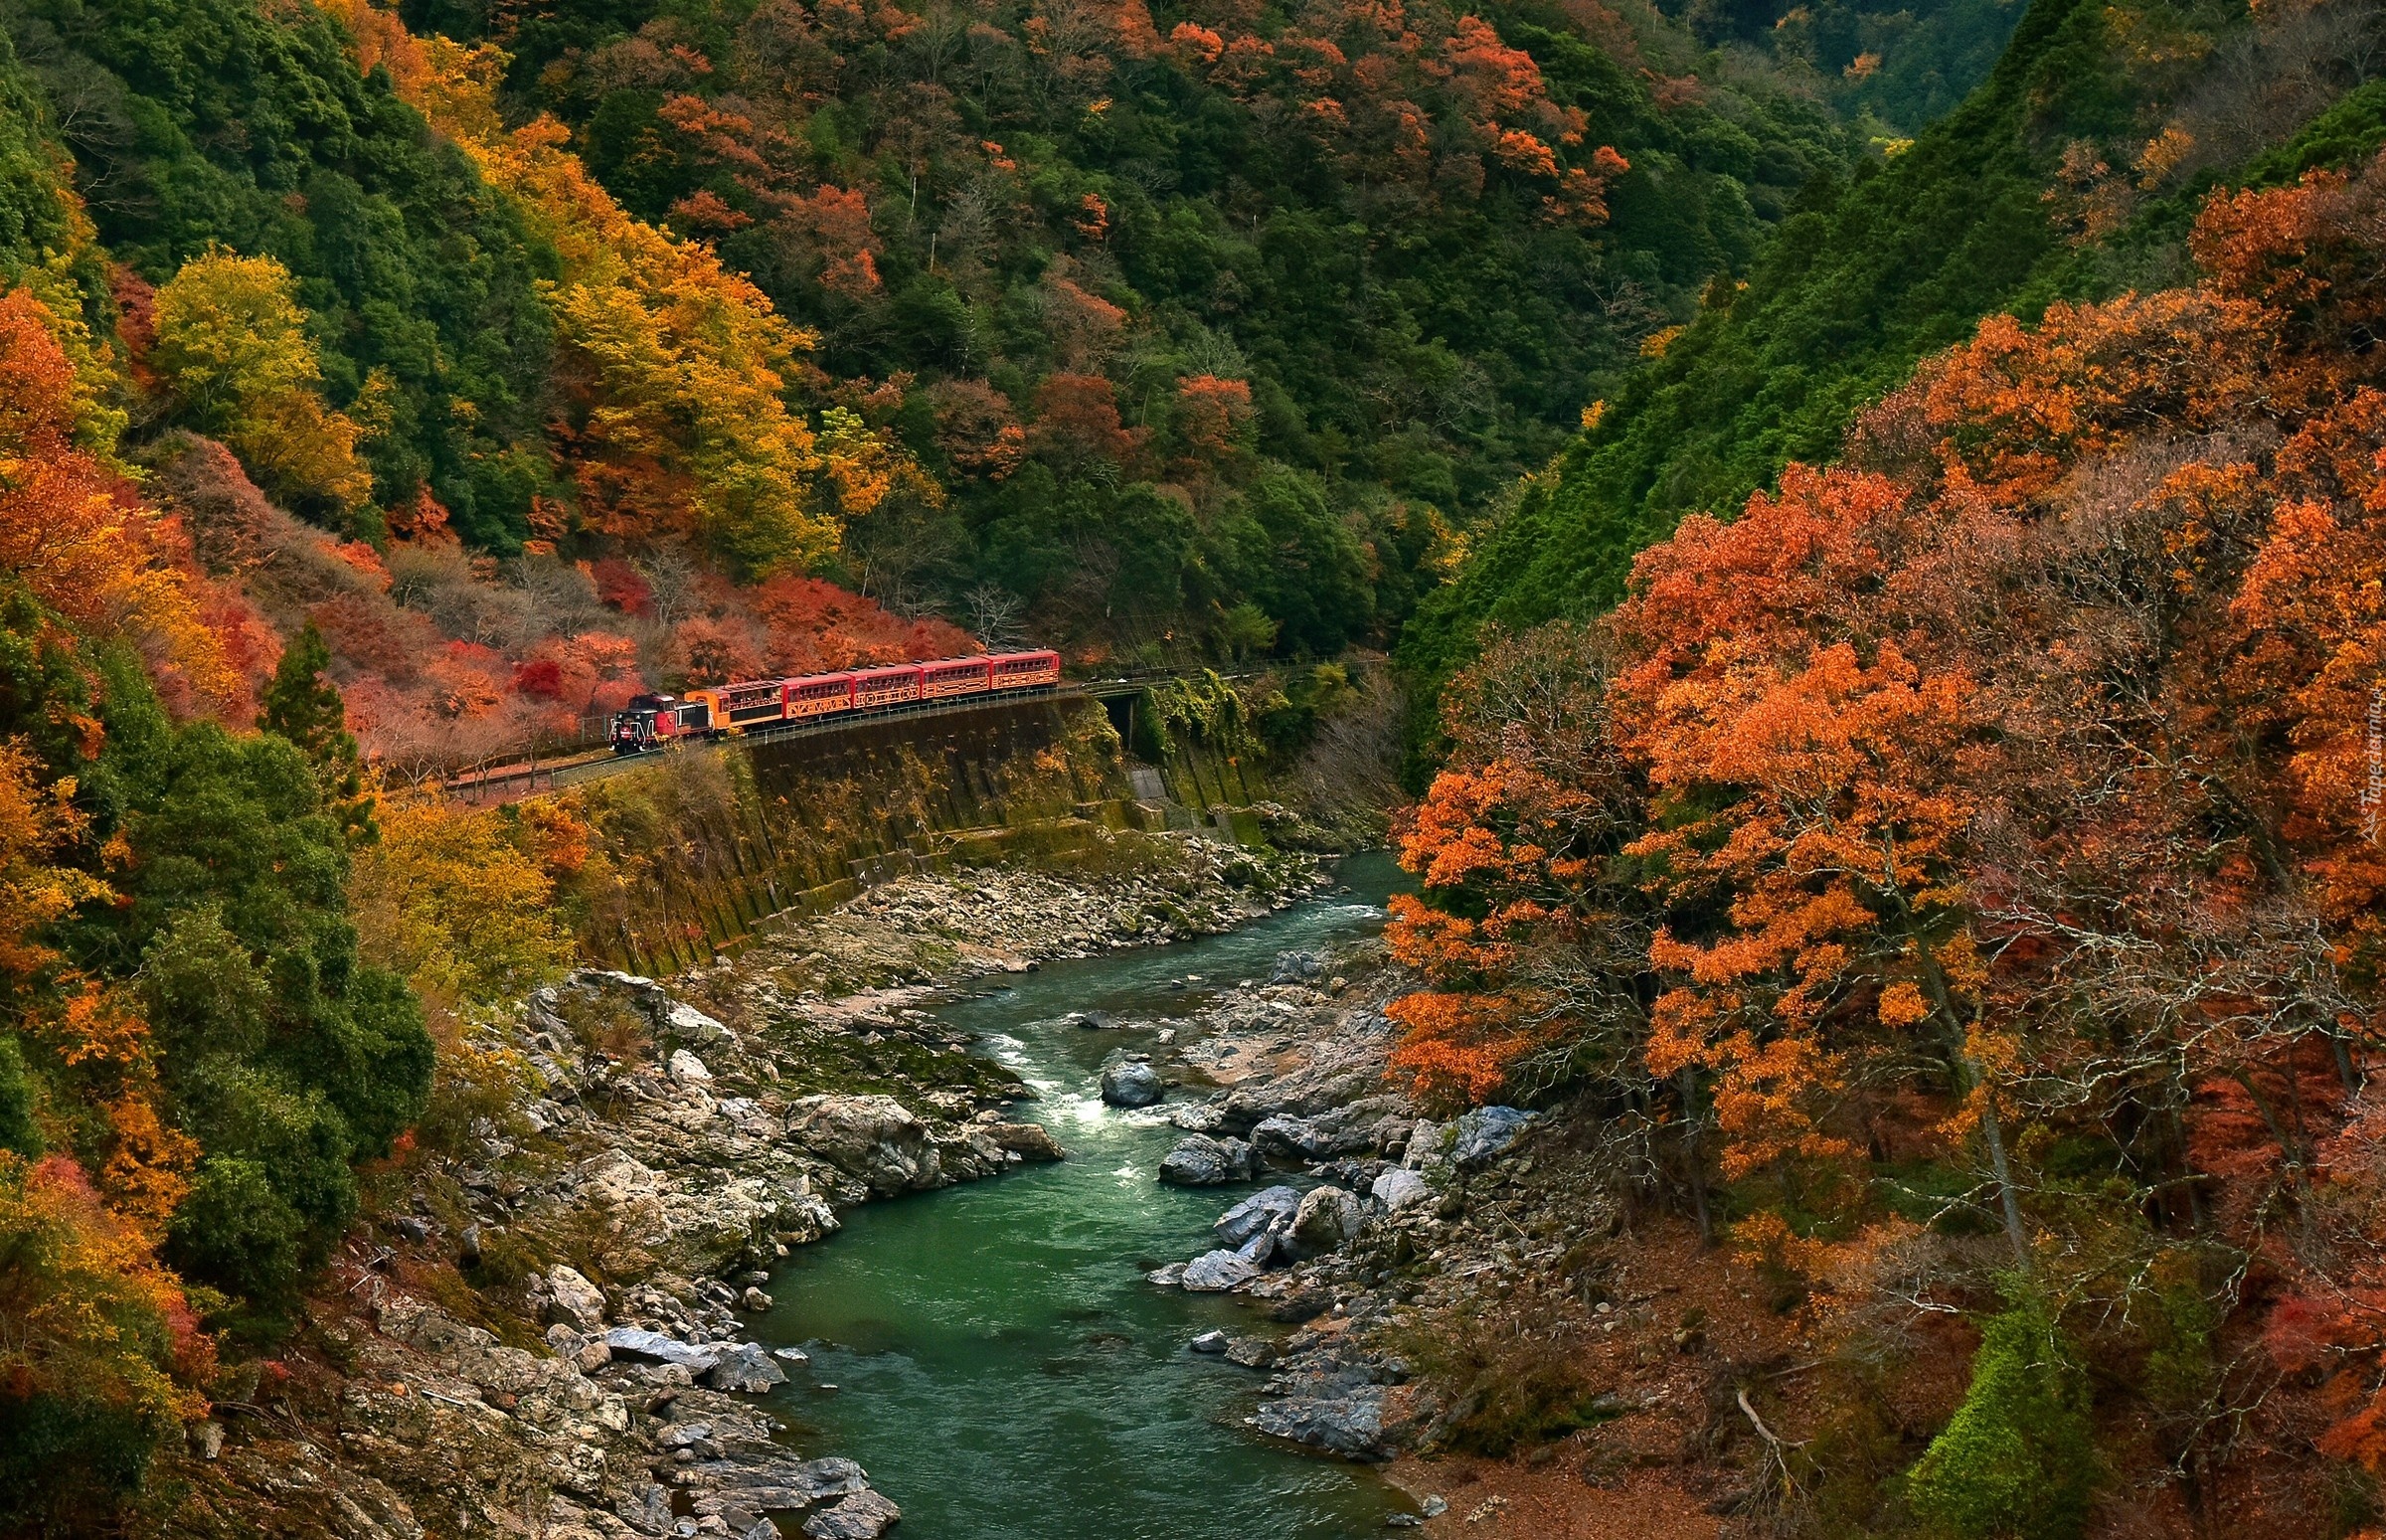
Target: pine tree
305,707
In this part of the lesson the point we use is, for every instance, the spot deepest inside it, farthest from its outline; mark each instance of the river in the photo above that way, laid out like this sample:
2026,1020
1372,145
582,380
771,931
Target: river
998,1363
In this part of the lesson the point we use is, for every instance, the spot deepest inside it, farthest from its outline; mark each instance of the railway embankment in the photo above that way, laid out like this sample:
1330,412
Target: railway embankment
705,846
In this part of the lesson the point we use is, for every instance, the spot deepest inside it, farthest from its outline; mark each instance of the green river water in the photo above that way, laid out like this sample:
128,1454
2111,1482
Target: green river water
1000,1366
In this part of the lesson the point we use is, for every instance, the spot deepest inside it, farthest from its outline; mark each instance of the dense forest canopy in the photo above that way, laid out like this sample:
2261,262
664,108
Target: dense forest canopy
1200,332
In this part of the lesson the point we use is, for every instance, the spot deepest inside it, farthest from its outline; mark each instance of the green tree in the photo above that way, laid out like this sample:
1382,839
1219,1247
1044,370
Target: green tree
303,706
2017,1461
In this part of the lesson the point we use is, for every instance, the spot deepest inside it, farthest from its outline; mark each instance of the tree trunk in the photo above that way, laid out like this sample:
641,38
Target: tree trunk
1694,1156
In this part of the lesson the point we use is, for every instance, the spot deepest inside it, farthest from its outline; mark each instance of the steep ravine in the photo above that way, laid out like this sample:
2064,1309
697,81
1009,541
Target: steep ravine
551,1334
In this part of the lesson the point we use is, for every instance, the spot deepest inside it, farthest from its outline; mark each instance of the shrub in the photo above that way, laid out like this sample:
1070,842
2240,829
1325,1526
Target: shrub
2015,1463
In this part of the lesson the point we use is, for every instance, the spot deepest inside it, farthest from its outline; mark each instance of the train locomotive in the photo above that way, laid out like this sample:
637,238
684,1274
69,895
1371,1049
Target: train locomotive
657,721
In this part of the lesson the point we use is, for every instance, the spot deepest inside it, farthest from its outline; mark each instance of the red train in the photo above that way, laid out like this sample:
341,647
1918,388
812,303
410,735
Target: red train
653,720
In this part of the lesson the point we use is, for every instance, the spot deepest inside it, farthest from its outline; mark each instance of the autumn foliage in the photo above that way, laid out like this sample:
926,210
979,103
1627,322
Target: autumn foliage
2010,785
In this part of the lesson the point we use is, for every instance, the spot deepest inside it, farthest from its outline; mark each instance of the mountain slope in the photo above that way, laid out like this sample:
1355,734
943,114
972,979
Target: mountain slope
2009,202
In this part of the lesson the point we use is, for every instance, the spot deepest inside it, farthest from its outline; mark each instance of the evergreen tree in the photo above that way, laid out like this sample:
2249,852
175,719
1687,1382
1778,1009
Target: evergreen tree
305,707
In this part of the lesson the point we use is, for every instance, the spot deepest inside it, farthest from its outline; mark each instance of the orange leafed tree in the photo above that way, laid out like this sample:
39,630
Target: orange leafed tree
76,534
2031,744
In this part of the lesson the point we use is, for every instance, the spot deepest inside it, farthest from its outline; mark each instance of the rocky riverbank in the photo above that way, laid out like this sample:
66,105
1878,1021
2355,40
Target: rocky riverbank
541,1332
1474,1300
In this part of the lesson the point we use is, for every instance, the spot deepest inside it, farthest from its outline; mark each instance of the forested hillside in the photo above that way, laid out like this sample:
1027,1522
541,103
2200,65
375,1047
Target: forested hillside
1899,562
1211,322
1959,874
2072,173
1195,333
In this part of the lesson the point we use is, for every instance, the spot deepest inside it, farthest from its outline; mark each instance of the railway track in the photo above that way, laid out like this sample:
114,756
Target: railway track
531,777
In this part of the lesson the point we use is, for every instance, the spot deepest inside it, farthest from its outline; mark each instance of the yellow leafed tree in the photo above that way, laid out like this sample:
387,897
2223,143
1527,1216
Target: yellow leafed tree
682,366
232,341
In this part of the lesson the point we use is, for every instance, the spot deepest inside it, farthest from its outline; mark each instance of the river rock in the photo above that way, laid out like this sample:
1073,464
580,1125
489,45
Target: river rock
1327,1220
574,1301
873,1137
1400,1190
1486,1131
1211,1342
1198,1117
1129,1083
864,1515
1296,968
773,1478
1260,1247
754,1300
1217,1272
1029,1141
645,1508
790,1355
1253,1352
1350,1423
745,1367
691,1025
637,1343
1201,1162
1269,1208
1291,1139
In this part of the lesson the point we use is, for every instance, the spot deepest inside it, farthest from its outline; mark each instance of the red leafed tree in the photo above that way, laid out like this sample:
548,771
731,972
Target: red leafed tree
1077,421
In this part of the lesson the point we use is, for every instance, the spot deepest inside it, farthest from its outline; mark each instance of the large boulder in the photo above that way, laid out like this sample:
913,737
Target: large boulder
1486,1132
1349,1423
687,1067
572,1300
1129,1083
1400,1190
1270,1208
637,1343
1293,1139
1217,1272
1296,968
1327,1219
1201,1162
865,1515
1028,1141
745,1366
688,1024
773,1478
875,1138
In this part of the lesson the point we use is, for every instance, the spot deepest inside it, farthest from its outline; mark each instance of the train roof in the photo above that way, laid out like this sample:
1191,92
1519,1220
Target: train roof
1018,657
885,669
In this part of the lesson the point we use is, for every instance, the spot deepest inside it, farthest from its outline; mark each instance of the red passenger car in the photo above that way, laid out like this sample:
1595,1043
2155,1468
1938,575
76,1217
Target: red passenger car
816,695
875,687
953,676
1024,670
